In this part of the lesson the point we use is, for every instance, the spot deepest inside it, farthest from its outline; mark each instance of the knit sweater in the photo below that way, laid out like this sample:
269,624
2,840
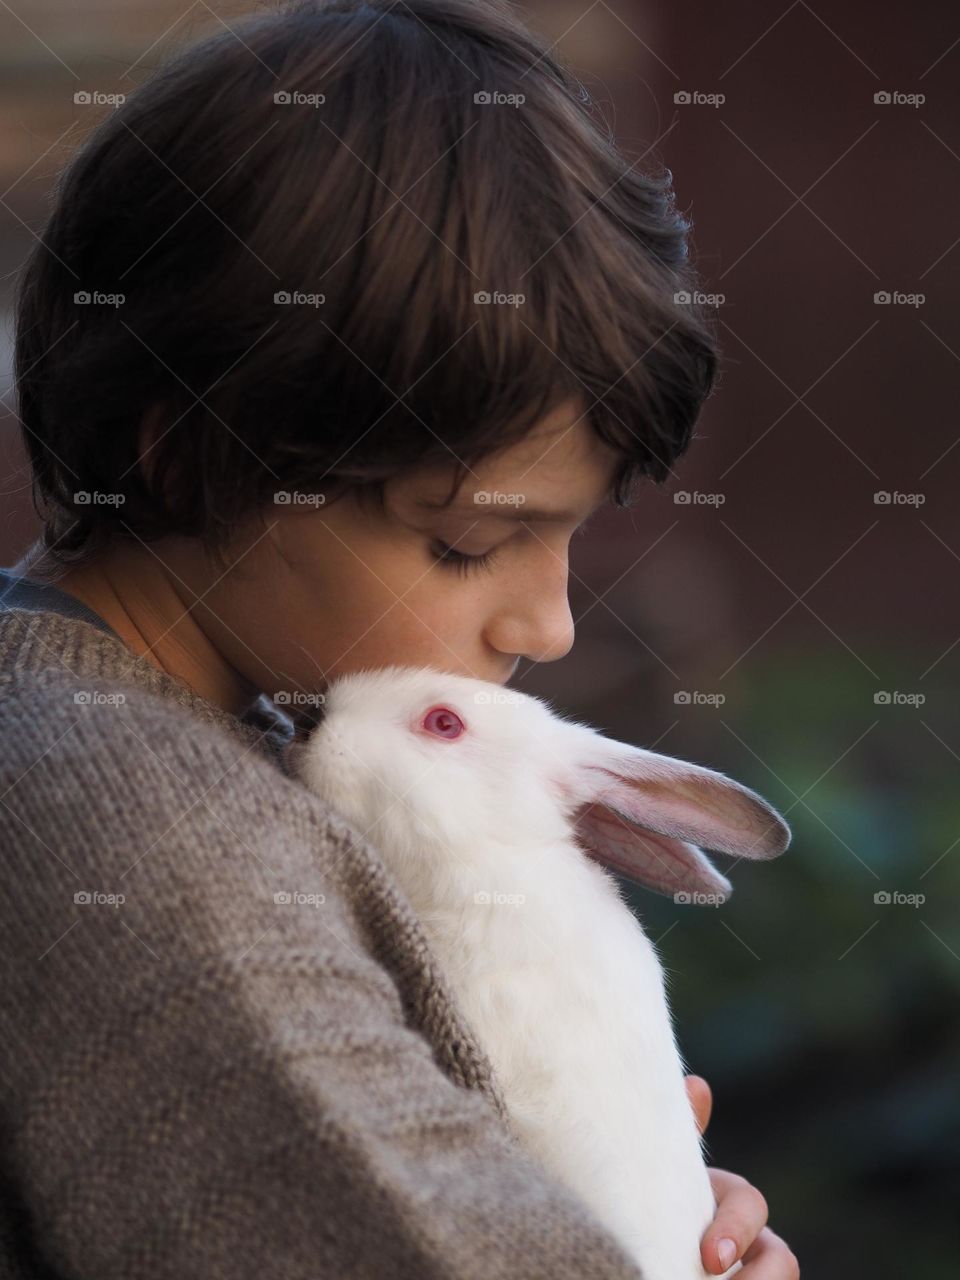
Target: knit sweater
226,1050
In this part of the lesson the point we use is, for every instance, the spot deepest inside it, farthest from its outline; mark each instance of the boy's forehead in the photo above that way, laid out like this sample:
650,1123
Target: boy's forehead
560,471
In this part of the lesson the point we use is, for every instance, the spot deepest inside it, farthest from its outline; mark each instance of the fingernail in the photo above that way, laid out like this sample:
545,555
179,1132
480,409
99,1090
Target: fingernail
727,1249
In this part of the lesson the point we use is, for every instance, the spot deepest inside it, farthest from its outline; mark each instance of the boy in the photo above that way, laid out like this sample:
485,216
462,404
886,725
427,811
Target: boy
309,304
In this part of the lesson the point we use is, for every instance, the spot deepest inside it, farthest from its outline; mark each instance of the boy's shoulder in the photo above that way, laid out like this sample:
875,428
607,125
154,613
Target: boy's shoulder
94,723
64,680
98,768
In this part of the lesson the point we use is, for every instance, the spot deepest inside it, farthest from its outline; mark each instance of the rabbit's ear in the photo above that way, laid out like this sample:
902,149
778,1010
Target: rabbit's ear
656,861
644,815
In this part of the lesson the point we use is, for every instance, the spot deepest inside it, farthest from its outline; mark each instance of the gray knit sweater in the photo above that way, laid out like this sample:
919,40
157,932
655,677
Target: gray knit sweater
199,1079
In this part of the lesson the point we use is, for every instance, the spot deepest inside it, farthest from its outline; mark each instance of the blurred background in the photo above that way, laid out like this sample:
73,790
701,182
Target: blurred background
787,611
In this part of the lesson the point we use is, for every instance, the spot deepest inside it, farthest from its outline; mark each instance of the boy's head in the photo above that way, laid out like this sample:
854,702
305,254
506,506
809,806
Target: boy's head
337,256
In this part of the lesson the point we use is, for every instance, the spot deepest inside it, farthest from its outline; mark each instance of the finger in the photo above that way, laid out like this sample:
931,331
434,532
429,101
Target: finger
769,1258
741,1216
701,1099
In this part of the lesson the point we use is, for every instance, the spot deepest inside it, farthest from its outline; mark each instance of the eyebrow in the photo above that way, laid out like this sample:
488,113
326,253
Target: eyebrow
505,511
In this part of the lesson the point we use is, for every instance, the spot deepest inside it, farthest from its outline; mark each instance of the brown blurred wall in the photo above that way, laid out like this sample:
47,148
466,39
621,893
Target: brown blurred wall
807,198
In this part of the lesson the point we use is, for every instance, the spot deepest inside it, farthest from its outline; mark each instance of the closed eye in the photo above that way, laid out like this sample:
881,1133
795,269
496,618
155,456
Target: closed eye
458,560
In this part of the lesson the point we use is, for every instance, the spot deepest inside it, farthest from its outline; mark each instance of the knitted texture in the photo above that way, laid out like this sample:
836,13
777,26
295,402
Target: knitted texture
200,1078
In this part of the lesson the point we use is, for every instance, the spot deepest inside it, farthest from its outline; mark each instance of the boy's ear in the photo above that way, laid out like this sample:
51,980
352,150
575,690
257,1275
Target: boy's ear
152,428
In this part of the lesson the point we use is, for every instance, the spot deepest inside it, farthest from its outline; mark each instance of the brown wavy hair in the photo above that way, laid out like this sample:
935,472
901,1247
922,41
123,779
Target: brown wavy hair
385,164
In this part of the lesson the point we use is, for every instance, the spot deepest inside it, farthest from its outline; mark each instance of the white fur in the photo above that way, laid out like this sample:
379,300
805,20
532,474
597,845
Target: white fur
553,971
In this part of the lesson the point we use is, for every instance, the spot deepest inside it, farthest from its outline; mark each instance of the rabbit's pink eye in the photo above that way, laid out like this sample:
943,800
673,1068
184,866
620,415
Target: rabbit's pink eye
443,723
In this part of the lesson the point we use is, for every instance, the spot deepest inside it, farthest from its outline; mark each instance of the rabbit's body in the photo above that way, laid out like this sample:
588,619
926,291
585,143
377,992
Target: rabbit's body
583,1048
554,973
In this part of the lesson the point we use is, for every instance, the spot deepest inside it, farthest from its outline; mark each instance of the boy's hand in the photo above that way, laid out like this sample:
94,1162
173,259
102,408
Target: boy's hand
741,1215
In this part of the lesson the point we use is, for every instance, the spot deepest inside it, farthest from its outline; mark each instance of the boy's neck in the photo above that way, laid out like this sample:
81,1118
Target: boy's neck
135,594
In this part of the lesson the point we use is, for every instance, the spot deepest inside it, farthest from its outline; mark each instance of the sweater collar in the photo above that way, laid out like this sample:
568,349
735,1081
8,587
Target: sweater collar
44,627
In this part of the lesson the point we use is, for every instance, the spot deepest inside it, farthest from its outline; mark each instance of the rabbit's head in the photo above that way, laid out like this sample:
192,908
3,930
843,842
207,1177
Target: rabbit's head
441,762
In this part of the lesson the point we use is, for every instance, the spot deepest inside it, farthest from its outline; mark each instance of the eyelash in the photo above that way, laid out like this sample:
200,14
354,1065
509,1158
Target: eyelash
462,563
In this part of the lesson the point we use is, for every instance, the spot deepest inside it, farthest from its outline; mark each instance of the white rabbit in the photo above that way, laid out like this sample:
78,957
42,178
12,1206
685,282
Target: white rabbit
492,812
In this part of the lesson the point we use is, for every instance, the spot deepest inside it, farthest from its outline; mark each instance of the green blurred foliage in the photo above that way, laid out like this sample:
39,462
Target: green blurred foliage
826,1022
